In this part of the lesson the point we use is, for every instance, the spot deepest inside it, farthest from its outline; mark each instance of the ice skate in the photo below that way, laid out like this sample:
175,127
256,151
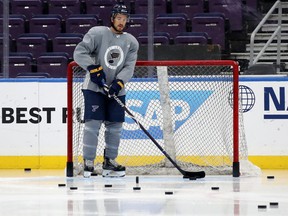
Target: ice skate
112,169
88,168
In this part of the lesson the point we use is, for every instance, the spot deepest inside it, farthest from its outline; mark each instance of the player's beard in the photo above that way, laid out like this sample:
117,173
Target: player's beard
119,28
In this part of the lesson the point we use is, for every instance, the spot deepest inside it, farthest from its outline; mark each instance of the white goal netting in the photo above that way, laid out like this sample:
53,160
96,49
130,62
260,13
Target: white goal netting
188,108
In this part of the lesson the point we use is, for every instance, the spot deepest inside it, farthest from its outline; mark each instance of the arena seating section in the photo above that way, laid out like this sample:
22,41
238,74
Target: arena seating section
44,33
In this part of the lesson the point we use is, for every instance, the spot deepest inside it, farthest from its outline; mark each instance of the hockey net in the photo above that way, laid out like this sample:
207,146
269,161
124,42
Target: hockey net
192,109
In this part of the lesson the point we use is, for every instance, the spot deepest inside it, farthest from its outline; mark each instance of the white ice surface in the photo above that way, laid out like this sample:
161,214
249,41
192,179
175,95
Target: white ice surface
37,193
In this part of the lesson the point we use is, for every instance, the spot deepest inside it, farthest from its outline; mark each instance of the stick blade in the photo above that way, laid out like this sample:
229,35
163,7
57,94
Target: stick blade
200,174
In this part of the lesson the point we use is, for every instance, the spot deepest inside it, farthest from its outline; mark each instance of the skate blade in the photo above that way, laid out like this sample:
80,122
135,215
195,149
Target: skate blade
87,174
111,173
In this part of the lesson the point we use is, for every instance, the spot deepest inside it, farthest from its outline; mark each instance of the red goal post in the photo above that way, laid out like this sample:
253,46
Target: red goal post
190,107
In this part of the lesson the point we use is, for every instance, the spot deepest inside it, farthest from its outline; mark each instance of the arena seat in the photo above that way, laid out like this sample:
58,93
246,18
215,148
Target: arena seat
35,43
192,38
232,9
128,3
53,63
214,24
141,7
20,63
171,23
81,23
64,7
159,38
29,8
189,7
49,24
66,42
101,8
137,24
16,25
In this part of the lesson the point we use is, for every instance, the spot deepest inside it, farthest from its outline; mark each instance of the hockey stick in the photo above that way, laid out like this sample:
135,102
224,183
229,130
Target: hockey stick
186,174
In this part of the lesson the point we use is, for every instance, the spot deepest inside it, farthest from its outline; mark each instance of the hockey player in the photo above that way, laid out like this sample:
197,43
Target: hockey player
109,55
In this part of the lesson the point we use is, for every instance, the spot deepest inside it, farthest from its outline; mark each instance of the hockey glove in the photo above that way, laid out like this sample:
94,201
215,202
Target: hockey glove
97,75
116,87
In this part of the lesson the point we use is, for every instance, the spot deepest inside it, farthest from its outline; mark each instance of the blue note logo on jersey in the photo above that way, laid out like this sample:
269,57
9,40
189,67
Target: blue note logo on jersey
146,107
113,57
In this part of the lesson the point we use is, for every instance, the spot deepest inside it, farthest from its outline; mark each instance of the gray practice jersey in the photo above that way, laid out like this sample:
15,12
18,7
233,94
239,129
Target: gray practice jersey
116,53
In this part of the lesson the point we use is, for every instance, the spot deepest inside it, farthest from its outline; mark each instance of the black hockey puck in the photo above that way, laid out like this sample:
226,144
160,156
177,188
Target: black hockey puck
168,193
270,177
192,178
214,188
107,185
262,206
137,179
27,169
61,185
136,188
94,174
273,203
73,188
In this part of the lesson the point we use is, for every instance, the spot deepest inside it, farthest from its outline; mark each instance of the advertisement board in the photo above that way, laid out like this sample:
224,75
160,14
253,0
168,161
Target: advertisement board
33,121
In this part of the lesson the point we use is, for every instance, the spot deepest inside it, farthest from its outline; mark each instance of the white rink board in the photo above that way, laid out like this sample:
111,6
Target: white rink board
267,136
32,118
25,102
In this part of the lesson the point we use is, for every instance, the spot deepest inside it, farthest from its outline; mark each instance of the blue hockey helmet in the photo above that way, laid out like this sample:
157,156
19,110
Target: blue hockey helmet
119,8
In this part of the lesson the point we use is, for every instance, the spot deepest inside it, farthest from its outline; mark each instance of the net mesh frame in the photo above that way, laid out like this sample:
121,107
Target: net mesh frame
204,131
